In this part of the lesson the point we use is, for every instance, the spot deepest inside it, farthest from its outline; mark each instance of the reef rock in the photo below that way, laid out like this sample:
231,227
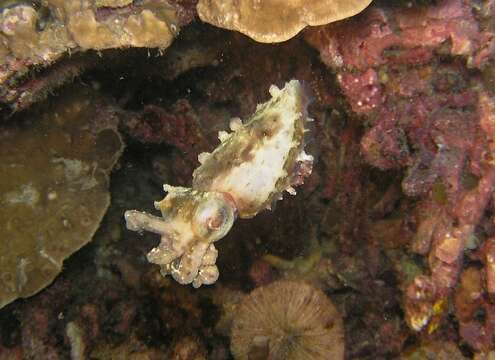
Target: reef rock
412,74
54,177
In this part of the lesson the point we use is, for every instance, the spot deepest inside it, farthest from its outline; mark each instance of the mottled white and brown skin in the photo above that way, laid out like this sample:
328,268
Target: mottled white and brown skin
245,174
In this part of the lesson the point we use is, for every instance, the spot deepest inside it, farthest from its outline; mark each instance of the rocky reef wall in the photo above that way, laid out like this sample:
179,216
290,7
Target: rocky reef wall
386,251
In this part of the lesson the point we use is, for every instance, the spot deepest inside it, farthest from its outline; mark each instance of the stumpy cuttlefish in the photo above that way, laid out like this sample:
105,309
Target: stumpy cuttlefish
244,175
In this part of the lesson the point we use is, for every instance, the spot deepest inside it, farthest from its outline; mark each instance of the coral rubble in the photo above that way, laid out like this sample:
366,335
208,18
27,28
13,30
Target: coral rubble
247,173
54,178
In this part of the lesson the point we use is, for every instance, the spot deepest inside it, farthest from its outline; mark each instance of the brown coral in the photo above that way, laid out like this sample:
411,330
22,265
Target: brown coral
40,35
275,21
54,178
288,320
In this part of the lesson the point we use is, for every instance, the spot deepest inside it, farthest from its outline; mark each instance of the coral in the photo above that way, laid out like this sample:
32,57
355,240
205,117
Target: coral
407,72
450,234
245,174
39,324
53,168
25,94
41,35
405,244
409,36
474,309
273,21
196,49
287,320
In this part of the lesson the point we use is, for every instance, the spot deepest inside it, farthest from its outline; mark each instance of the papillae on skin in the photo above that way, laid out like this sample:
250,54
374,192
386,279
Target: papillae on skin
244,175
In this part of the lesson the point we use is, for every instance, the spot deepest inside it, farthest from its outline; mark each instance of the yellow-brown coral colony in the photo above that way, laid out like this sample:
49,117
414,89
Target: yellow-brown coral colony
248,171
40,34
287,320
273,20
56,170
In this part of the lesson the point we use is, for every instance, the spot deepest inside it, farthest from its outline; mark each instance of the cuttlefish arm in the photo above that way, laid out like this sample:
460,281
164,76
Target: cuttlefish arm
191,221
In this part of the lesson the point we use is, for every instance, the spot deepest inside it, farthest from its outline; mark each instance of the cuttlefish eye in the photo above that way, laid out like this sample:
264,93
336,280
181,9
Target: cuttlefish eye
214,217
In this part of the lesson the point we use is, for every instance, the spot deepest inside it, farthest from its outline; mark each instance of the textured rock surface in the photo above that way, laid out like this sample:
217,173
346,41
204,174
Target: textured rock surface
409,74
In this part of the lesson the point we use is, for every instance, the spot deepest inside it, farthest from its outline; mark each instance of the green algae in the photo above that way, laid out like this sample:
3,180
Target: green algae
54,178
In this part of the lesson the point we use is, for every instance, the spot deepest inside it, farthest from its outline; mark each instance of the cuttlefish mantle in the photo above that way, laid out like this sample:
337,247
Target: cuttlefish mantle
244,175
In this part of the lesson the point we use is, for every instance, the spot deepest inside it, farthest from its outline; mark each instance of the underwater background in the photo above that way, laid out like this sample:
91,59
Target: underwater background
379,243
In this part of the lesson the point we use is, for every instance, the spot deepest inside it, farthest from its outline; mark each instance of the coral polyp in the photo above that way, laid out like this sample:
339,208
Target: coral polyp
244,175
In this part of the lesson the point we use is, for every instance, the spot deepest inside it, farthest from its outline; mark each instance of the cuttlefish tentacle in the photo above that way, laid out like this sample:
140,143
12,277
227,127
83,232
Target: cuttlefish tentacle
141,221
164,253
250,169
187,269
208,272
